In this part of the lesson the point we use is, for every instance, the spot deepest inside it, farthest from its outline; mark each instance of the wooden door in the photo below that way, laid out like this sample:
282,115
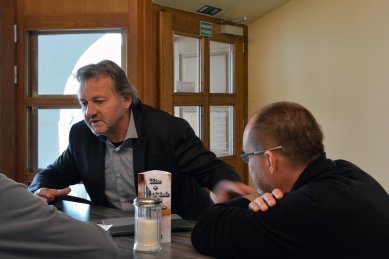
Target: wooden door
203,78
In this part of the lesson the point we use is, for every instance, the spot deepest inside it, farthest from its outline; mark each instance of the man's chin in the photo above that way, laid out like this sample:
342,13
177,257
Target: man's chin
96,131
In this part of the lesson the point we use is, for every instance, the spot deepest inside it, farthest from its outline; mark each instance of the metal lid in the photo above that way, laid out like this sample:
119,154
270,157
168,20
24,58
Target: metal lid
147,201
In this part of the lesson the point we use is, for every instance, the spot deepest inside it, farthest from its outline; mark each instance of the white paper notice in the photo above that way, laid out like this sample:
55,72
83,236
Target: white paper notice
157,184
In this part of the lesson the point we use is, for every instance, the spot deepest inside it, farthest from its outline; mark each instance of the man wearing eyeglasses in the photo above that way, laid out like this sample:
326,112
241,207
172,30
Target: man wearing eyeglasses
330,208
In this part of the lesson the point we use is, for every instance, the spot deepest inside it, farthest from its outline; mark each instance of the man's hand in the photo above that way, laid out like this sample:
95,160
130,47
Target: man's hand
50,195
266,200
226,190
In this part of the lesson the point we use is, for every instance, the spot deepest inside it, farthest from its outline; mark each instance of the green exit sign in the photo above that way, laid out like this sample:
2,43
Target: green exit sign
209,10
206,29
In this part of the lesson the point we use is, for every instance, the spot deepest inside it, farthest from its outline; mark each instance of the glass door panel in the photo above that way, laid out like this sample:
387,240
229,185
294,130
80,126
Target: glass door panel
222,130
187,64
192,114
221,67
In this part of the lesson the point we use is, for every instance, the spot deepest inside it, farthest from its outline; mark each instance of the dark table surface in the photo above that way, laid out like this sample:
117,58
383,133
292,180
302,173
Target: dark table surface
180,246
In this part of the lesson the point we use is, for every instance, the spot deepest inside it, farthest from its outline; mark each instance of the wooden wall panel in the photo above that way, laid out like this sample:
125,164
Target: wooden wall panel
7,93
73,21
74,7
150,41
6,3
166,46
142,50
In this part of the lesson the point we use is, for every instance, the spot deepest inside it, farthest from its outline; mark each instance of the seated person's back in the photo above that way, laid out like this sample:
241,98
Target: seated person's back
331,209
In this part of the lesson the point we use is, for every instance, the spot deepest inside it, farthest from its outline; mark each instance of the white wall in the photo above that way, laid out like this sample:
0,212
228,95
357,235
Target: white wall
332,56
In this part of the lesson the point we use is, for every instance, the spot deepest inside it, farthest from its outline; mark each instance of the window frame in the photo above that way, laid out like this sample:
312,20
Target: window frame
57,15
35,101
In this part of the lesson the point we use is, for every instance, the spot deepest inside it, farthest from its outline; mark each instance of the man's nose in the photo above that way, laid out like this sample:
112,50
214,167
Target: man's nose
90,110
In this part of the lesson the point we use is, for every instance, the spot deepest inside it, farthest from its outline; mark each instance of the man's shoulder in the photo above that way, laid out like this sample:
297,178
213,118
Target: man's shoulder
150,114
80,130
149,110
79,125
159,123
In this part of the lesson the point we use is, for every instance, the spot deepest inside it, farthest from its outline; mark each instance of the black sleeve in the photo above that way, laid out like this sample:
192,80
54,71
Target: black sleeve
219,227
194,159
232,230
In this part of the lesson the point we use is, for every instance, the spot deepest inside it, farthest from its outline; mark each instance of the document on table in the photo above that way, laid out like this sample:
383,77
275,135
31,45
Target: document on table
105,227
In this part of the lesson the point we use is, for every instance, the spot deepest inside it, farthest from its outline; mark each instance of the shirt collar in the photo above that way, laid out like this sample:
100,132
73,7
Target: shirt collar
313,170
131,130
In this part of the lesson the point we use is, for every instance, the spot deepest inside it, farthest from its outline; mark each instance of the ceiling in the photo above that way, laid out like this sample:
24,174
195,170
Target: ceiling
232,10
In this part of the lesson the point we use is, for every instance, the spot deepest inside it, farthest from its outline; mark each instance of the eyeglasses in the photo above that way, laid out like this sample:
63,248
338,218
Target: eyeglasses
246,156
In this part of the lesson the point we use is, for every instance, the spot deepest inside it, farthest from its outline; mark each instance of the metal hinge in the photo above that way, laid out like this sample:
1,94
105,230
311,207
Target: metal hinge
15,33
15,75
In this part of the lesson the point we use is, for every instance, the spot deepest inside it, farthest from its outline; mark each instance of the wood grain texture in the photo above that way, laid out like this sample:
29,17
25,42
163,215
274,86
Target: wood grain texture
75,22
7,93
74,7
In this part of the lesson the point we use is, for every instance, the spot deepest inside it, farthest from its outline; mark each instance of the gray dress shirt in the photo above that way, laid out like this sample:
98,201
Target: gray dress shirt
119,170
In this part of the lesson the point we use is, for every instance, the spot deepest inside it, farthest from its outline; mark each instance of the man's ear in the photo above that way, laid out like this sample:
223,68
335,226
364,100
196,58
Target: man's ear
271,161
127,101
